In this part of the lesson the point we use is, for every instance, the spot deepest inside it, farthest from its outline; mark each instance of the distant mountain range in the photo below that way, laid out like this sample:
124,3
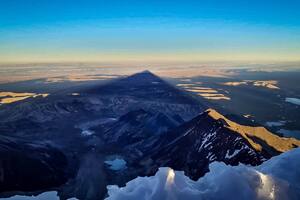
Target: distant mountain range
141,118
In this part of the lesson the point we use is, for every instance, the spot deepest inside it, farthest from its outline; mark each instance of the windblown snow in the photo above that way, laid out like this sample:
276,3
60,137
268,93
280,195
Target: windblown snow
277,178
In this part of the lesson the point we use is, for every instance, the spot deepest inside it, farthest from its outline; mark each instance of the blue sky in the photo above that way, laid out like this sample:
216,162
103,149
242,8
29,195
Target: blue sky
149,31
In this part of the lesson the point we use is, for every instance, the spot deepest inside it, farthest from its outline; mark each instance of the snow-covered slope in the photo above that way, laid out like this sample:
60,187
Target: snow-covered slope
276,179
51,195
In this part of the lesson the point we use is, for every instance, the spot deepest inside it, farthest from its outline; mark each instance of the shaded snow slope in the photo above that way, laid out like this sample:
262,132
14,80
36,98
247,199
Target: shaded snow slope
51,195
278,178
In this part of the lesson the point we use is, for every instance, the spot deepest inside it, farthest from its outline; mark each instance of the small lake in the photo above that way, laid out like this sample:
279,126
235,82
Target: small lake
115,163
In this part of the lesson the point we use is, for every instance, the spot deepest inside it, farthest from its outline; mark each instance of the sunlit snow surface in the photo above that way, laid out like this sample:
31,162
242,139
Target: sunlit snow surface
276,179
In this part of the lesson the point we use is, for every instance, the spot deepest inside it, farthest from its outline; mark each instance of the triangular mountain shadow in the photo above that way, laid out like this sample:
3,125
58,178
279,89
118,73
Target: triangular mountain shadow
147,87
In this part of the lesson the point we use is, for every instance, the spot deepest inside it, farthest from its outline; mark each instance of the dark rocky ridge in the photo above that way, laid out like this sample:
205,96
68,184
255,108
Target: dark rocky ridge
211,137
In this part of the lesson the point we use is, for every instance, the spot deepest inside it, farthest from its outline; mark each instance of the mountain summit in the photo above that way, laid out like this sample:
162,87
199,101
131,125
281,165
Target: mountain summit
259,137
212,137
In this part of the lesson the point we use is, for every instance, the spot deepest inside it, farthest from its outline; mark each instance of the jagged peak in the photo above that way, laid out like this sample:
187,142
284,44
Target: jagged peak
257,136
214,114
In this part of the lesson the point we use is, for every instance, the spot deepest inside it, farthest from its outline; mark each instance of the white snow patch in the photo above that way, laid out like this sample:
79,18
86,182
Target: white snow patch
87,132
295,101
276,179
229,156
211,156
206,139
51,195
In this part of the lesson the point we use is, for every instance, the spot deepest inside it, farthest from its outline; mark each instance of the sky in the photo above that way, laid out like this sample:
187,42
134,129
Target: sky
149,32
